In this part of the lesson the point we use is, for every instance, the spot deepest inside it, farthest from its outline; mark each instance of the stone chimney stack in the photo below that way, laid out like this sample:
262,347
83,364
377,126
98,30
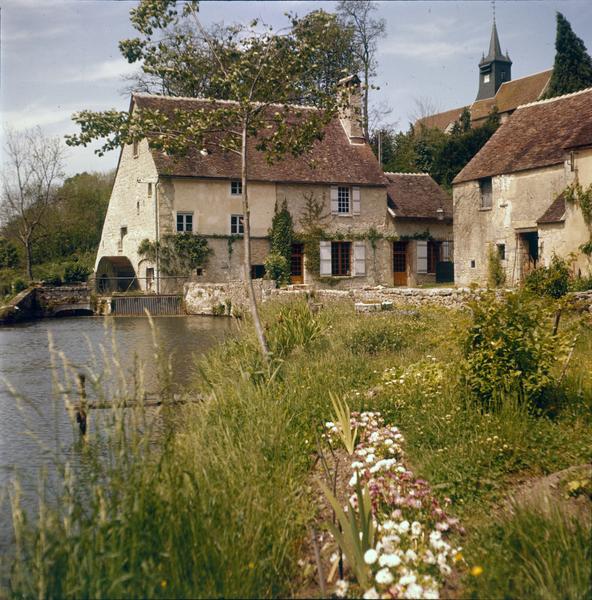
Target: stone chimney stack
350,114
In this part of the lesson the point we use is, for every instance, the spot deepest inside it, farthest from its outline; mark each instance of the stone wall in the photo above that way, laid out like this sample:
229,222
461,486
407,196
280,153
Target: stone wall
222,298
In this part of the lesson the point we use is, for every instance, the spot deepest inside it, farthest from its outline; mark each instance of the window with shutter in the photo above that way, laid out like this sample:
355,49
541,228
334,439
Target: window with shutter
341,258
334,200
356,200
422,256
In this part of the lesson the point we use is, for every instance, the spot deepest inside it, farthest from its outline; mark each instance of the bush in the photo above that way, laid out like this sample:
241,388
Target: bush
376,334
8,254
581,284
510,347
75,273
496,271
18,285
53,279
550,281
276,267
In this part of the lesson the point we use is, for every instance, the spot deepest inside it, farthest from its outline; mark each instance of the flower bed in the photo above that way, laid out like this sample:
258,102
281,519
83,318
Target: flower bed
409,555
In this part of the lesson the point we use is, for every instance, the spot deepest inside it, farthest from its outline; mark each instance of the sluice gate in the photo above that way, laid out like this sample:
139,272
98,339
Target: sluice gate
155,304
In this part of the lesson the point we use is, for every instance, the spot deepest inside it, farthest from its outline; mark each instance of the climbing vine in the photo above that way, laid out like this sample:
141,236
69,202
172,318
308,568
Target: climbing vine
178,254
281,235
577,195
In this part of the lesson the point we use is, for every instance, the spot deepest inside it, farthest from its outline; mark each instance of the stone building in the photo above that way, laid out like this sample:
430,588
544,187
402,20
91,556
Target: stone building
496,90
510,199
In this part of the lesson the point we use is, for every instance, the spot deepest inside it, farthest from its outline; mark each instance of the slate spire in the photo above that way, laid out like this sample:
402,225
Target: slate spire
495,68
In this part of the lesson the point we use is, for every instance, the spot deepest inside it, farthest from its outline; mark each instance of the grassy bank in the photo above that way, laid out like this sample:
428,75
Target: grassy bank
220,506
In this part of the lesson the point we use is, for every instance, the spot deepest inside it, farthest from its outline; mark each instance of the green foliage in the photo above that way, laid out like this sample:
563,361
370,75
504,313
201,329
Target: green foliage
510,348
178,254
18,285
376,334
281,235
572,70
277,268
442,155
495,270
532,553
8,254
552,281
342,416
581,284
576,194
75,273
53,279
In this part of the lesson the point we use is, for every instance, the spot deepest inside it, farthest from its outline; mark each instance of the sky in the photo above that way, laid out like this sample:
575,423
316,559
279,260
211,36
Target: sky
61,56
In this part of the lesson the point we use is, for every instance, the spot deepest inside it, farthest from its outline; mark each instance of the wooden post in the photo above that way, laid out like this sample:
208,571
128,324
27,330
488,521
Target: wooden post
81,411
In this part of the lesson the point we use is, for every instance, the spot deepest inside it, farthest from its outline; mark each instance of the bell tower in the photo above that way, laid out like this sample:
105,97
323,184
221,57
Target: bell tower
494,69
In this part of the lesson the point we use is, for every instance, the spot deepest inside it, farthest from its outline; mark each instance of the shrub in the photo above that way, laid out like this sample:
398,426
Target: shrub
8,254
18,285
75,273
581,284
376,334
281,234
276,267
53,279
550,281
496,272
510,347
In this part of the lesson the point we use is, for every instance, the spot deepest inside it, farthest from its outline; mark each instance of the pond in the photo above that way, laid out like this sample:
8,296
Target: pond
36,427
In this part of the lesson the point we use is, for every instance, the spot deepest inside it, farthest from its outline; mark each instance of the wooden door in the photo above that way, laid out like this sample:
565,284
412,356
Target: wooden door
400,263
297,264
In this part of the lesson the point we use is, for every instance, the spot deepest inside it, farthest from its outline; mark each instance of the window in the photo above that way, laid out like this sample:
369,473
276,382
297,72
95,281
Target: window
485,78
433,255
503,75
472,264
184,222
236,188
123,232
257,271
343,200
446,251
135,148
501,251
341,258
485,188
199,271
149,190
138,207
236,225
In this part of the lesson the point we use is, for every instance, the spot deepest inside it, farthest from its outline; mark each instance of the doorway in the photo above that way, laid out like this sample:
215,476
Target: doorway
528,251
400,263
297,264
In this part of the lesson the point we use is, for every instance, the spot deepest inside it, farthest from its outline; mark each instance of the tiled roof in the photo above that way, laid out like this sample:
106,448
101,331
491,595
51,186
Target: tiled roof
441,120
512,94
535,136
556,212
417,196
330,160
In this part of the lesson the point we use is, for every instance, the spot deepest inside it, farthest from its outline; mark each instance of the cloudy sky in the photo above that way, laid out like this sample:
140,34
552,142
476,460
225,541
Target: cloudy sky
60,56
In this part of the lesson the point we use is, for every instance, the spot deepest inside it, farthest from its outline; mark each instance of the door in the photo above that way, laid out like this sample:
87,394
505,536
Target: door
400,263
297,264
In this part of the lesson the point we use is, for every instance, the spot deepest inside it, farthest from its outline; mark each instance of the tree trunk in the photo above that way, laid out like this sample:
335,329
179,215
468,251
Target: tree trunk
247,249
27,244
366,94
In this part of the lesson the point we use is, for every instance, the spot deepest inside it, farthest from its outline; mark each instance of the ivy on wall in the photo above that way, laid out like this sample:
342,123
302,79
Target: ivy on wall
178,254
577,195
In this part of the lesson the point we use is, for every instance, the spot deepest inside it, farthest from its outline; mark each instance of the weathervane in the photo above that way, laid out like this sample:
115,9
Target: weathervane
493,9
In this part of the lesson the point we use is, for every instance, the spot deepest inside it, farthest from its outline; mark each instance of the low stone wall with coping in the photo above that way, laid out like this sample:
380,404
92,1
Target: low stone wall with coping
222,298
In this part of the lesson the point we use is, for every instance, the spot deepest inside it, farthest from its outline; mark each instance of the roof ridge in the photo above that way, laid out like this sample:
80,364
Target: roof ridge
526,76
548,100
203,99
400,173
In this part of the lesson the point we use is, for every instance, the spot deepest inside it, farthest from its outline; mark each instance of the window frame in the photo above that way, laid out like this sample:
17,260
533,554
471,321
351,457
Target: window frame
342,189
485,196
237,224
341,261
501,250
184,215
236,184
434,251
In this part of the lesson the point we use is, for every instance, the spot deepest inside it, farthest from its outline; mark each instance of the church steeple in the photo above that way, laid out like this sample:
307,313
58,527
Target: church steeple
494,69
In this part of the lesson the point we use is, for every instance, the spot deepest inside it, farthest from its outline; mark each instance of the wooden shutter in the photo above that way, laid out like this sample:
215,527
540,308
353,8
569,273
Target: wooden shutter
422,256
325,254
356,200
359,258
334,200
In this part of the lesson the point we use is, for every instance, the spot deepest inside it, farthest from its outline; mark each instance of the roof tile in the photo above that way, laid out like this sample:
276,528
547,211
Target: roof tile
417,196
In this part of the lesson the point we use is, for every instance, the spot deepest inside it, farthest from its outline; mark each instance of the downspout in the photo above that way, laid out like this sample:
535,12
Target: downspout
157,236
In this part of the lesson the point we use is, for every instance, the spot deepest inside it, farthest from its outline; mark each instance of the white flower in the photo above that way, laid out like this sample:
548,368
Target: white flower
410,555
370,556
389,560
445,570
414,591
404,526
329,424
371,594
354,479
416,528
388,442
357,464
407,579
431,594
341,587
384,577
388,525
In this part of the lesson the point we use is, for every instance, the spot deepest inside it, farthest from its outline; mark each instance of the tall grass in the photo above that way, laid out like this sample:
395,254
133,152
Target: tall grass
214,499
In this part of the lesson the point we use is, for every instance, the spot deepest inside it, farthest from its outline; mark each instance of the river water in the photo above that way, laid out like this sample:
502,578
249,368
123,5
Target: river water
36,427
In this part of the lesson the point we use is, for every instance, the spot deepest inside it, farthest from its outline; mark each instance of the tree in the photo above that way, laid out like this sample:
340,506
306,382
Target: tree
34,165
572,70
262,72
8,254
357,14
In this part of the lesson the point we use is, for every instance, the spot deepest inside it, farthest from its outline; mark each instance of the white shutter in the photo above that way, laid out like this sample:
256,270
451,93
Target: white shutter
356,200
325,253
334,200
359,258
422,256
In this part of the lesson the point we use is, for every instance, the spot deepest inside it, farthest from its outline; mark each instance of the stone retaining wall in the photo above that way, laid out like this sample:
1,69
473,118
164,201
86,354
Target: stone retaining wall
222,298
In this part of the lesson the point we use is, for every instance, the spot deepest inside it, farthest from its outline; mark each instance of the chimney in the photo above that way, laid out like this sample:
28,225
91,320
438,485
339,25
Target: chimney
350,112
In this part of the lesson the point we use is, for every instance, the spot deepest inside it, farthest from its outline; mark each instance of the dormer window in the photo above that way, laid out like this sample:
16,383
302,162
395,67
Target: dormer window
486,191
